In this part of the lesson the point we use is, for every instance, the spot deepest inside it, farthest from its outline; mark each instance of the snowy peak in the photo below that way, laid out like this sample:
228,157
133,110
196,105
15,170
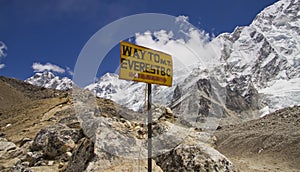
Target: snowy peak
268,49
107,85
254,60
280,25
284,13
109,77
127,93
267,53
49,80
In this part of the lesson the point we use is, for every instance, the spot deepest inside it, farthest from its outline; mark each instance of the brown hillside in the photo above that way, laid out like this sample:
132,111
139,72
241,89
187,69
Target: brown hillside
271,143
9,96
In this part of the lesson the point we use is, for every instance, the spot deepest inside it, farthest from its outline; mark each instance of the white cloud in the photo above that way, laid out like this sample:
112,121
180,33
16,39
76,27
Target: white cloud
191,47
70,71
3,49
182,18
182,21
2,66
38,67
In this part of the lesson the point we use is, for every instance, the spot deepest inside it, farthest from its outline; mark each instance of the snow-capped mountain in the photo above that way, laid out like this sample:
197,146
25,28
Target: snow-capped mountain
267,53
129,94
258,70
269,48
252,59
121,91
49,80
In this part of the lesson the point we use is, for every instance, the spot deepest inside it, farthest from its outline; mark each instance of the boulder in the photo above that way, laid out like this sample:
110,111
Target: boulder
194,157
56,140
184,149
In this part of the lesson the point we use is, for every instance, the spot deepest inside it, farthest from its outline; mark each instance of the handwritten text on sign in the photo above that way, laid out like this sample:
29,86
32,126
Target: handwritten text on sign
145,65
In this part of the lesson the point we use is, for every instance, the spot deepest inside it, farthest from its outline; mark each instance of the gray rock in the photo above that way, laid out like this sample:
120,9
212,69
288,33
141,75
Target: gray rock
104,161
82,155
8,149
33,157
56,140
199,100
194,157
21,168
11,157
241,94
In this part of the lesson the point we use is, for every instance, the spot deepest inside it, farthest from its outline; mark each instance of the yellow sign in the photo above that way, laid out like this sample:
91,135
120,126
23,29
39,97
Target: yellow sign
142,64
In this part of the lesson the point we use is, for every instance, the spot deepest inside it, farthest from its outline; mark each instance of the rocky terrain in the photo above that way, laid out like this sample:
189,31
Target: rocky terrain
212,119
270,143
45,131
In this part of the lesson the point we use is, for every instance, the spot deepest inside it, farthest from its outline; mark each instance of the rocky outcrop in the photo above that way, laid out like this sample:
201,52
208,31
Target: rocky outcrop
81,156
9,154
202,98
116,144
241,95
8,149
194,157
56,140
195,152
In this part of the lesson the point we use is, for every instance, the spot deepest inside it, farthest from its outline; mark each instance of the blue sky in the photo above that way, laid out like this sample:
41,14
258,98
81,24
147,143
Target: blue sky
51,33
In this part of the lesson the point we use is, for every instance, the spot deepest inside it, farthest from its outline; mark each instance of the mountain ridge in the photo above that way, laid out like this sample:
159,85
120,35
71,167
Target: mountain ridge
251,59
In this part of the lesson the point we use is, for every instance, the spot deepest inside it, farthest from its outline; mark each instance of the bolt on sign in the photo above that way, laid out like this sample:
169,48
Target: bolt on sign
142,64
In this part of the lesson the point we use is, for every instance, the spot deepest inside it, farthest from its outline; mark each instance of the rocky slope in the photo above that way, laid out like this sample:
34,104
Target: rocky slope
270,143
57,132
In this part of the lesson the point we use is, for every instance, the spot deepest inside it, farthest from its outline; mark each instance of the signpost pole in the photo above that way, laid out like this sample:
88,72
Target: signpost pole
149,128
142,64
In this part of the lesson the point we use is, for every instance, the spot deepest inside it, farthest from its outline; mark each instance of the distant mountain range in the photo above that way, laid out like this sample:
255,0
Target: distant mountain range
258,70
49,80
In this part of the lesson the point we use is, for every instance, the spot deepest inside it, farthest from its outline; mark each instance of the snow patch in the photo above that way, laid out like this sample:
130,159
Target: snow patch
283,93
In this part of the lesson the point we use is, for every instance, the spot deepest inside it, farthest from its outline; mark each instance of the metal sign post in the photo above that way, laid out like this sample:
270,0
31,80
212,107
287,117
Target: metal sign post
142,64
149,129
